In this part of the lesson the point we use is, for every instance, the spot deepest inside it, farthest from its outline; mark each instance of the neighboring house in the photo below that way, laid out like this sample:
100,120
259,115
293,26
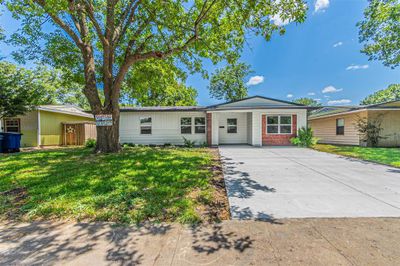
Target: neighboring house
336,125
255,121
49,125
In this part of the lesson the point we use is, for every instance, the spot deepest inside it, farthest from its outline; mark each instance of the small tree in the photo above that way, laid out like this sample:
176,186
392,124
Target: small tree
370,130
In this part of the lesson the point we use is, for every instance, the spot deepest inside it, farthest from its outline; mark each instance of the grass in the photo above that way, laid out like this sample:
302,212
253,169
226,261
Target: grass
139,184
389,156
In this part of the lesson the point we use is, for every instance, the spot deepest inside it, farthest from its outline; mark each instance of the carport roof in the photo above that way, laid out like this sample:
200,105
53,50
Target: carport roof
335,110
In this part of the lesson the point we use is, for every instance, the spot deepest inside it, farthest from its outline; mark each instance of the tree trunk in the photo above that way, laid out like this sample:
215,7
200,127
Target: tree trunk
108,136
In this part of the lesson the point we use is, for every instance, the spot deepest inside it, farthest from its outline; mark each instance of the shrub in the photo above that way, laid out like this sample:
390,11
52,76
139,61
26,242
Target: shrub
369,129
188,143
90,143
305,138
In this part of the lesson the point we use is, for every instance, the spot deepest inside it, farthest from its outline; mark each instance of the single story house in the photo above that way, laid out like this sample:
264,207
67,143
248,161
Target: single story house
255,121
337,125
50,125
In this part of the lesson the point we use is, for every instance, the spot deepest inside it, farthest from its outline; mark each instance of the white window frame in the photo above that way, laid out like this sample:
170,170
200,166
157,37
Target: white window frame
231,126
146,124
5,120
200,125
190,126
279,125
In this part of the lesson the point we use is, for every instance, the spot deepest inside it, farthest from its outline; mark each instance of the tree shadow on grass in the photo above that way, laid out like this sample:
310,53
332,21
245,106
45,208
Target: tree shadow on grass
135,185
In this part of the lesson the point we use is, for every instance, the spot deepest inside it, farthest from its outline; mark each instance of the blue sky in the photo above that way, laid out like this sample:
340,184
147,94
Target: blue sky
319,58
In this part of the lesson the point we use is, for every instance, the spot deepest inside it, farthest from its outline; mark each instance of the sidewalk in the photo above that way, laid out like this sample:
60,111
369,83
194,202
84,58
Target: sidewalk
358,241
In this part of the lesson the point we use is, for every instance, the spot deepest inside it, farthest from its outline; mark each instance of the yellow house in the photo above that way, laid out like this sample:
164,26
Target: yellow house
47,125
337,125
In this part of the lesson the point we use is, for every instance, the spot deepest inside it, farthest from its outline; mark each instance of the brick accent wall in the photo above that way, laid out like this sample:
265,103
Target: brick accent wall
209,128
277,139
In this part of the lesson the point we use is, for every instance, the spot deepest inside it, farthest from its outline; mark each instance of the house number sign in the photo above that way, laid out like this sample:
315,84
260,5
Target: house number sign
103,120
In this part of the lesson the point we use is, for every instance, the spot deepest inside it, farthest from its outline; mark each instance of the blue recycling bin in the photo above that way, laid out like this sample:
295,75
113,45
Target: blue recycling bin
11,142
1,142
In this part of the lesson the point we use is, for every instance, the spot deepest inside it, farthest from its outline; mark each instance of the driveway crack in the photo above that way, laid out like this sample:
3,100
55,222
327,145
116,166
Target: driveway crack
332,245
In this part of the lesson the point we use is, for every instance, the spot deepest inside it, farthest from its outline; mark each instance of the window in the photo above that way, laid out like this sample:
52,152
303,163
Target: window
199,125
186,125
340,126
279,124
12,125
145,125
232,125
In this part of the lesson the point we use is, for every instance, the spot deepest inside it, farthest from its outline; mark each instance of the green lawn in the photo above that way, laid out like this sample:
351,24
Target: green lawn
389,156
139,184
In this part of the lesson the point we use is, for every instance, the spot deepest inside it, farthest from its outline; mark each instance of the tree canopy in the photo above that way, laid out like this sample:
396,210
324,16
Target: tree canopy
99,41
391,93
228,83
308,101
157,83
380,31
50,86
19,93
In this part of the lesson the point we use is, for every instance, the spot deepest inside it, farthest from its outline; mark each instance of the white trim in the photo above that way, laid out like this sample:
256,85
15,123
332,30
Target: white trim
354,111
41,108
279,124
38,129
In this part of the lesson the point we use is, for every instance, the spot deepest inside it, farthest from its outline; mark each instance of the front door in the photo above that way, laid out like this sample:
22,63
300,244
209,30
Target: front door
71,135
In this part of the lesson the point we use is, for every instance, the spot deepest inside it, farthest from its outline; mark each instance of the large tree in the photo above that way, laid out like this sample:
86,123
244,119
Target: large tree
391,93
380,31
228,83
103,39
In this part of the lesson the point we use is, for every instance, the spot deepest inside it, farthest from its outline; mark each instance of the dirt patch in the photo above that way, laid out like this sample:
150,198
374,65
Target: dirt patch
16,198
218,208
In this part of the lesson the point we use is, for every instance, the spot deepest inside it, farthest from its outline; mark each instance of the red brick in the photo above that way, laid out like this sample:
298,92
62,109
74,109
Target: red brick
209,129
277,139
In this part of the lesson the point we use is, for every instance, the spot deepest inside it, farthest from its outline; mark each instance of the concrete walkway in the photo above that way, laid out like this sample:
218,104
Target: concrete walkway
286,242
289,182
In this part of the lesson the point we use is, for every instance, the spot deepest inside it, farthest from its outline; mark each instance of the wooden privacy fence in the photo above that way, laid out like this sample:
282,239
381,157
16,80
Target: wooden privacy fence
76,133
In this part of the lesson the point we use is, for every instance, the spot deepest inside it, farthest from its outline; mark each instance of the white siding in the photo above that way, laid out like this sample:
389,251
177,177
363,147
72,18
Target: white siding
165,128
250,128
257,136
233,138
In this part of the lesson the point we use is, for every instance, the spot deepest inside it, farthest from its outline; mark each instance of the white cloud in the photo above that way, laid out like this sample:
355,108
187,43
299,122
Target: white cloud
289,95
330,89
321,5
311,93
355,67
327,96
255,80
318,99
342,101
278,21
338,44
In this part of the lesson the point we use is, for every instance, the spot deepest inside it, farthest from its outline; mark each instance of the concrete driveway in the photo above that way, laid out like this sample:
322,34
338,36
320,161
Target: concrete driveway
289,182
